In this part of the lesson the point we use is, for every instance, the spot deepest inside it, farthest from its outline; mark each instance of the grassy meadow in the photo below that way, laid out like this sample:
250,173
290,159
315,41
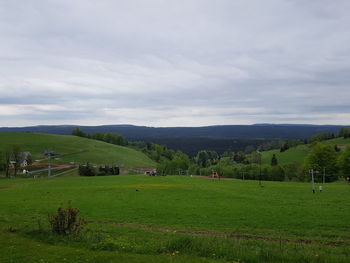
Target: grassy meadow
175,219
297,154
74,149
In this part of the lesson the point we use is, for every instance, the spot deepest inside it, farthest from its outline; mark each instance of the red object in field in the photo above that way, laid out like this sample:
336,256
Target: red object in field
46,164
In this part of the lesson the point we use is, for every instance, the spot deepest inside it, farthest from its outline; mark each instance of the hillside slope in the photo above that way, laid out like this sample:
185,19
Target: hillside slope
74,149
297,154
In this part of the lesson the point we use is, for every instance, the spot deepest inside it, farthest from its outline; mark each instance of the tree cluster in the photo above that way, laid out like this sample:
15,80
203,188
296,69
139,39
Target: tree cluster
156,152
289,144
179,164
109,137
11,159
344,132
89,170
321,137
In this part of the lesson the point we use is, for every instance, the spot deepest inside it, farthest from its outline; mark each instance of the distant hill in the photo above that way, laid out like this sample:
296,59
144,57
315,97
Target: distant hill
257,131
74,149
192,139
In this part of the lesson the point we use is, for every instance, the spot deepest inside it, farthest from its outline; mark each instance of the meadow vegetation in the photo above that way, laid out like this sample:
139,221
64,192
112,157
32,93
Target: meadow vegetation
182,218
175,219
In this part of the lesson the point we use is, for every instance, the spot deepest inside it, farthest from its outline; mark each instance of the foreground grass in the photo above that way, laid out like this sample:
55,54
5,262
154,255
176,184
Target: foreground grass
74,149
280,222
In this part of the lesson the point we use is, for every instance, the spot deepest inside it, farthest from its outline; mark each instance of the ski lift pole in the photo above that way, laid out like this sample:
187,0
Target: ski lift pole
312,180
49,170
324,175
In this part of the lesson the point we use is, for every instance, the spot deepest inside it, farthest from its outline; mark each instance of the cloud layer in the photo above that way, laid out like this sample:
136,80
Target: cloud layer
174,63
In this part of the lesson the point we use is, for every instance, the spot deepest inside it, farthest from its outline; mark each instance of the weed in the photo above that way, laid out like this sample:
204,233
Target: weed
66,221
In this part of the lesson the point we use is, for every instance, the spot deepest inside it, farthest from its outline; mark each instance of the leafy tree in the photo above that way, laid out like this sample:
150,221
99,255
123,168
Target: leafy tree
249,149
17,157
114,138
78,132
293,172
344,132
179,164
202,158
320,157
320,137
254,157
7,162
2,162
274,161
206,158
97,136
344,161
240,157
29,159
193,169
336,148
87,170
289,144
276,173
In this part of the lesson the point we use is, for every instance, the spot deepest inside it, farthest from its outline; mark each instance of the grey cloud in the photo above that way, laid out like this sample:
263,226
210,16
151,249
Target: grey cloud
189,62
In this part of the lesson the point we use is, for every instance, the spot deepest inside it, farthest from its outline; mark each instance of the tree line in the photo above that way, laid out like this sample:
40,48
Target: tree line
324,158
247,164
109,137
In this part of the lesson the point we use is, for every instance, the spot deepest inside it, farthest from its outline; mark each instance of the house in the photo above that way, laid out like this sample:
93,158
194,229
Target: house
25,159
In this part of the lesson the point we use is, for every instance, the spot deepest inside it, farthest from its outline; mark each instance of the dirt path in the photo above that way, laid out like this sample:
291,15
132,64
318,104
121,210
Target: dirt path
228,234
8,186
216,179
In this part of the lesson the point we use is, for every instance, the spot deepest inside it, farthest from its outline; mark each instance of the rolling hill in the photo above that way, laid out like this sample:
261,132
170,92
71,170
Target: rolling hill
297,154
74,149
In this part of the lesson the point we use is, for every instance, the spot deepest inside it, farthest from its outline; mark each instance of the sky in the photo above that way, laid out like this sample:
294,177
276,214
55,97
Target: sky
174,63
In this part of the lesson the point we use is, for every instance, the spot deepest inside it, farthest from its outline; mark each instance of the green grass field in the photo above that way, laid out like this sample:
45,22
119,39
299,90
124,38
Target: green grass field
339,141
74,149
297,154
175,219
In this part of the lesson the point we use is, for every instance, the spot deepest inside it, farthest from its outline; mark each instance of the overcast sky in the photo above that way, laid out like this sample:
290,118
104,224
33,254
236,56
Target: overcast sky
174,63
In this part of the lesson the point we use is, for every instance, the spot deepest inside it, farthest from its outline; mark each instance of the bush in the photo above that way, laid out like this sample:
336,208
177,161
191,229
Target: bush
66,221
87,170
107,170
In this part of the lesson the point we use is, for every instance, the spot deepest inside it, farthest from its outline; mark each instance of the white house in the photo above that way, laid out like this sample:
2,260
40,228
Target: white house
24,159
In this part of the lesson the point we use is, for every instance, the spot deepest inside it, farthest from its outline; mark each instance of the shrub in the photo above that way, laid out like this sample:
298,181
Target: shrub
66,221
87,170
107,170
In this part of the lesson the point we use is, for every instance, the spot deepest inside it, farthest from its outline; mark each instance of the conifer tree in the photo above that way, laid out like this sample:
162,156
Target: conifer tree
274,161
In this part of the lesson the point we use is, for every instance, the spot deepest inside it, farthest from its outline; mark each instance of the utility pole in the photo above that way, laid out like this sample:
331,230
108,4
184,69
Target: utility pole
49,153
324,175
313,179
49,171
243,173
259,154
